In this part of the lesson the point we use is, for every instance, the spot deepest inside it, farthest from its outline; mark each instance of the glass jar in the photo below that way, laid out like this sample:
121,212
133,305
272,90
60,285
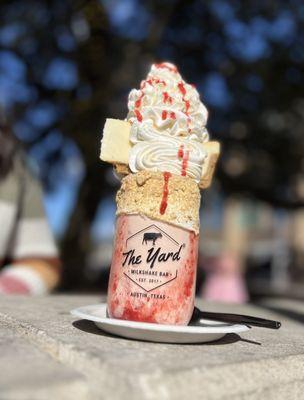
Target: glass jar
153,271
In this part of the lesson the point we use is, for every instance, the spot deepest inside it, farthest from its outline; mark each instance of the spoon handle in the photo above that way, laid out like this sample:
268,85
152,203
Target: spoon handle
241,319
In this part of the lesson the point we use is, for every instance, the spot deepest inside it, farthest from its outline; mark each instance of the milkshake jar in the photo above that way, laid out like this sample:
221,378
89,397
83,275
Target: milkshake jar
153,271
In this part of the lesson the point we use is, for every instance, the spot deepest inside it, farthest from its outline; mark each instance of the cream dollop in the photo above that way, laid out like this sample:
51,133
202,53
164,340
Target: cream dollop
167,115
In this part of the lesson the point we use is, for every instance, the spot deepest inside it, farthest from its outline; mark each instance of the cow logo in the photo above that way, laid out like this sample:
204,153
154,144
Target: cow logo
151,237
151,258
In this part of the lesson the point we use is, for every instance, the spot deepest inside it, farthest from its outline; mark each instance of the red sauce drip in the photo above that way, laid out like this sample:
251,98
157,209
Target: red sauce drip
183,91
164,202
180,153
151,82
182,88
172,115
167,98
138,115
185,163
164,65
156,80
143,84
164,114
138,101
187,104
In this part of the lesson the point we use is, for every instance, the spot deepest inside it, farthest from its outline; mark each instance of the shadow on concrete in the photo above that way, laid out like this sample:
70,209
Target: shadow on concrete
90,327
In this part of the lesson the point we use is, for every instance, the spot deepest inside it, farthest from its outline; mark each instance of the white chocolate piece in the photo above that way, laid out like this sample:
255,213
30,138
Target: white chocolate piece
115,144
213,150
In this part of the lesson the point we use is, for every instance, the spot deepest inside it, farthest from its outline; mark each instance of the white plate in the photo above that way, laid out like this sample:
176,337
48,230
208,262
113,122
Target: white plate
206,331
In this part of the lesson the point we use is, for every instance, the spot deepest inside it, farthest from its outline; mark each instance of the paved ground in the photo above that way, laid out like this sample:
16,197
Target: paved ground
46,354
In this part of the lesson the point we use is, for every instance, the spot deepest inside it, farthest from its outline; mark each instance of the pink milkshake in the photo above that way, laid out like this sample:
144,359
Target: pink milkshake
153,271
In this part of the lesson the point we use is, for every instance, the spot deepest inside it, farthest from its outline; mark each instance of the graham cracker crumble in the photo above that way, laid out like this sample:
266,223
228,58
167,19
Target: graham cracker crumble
142,193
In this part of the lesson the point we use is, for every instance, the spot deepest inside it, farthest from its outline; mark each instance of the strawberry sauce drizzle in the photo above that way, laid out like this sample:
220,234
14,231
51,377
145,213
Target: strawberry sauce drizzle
151,82
164,202
138,102
187,105
185,163
138,115
167,98
164,114
180,153
138,105
183,91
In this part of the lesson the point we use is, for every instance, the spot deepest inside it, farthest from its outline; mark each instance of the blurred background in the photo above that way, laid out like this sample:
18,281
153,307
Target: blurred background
65,66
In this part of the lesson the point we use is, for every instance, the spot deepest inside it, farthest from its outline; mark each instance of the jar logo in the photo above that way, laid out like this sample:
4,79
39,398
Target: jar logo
151,258
151,236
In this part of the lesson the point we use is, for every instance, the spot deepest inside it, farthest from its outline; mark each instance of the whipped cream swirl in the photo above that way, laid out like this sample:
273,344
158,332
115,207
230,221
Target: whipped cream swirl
168,124
150,151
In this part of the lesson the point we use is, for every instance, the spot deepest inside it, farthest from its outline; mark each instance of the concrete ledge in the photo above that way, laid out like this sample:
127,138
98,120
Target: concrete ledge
84,362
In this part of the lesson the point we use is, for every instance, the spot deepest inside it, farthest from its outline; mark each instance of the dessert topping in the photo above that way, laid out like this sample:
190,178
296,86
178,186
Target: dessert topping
164,202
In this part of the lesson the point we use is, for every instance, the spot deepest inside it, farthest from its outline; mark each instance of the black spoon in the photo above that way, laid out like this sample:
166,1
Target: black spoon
233,319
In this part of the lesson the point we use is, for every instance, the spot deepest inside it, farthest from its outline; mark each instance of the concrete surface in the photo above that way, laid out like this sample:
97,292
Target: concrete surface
46,354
